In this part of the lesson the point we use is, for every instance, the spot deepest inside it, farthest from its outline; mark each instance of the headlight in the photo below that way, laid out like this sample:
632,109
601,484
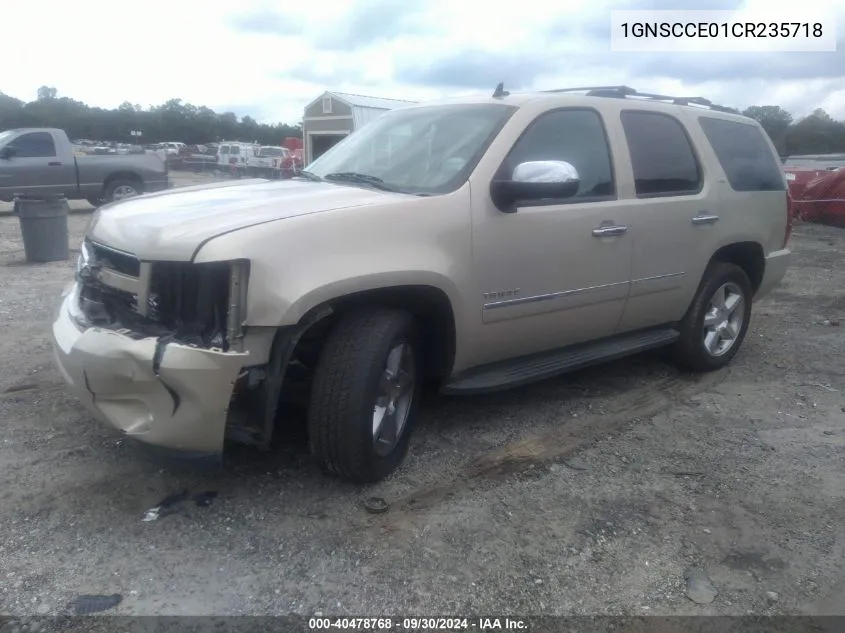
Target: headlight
84,257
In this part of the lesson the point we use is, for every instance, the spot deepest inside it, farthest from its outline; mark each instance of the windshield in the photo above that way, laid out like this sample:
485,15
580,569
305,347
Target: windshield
421,150
271,151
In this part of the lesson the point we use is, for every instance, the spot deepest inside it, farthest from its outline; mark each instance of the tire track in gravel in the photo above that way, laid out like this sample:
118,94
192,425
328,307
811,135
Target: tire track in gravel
552,445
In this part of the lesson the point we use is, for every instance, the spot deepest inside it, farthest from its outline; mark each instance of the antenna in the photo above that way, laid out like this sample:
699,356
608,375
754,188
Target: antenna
500,91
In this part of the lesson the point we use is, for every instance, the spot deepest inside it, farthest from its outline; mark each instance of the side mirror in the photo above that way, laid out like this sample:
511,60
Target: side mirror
535,180
7,152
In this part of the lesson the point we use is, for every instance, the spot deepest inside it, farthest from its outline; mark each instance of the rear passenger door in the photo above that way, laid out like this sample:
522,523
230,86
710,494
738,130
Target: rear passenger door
670,218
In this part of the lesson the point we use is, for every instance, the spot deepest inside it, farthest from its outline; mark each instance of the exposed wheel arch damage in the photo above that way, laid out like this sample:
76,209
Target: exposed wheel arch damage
298,346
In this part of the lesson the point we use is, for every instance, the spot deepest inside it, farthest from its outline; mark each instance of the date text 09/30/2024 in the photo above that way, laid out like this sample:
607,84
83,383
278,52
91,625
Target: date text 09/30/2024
419,624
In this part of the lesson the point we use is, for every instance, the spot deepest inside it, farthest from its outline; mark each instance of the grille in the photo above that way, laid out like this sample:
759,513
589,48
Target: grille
187,301
117,260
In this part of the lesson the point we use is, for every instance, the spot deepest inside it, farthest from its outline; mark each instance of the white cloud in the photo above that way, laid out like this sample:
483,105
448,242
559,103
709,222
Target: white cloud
202,52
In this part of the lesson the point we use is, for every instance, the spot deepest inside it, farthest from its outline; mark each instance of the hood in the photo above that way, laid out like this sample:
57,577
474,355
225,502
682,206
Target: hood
171,225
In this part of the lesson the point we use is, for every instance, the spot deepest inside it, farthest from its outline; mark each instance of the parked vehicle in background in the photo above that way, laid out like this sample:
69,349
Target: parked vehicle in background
171,148
482,243
233,156
270,162
43,161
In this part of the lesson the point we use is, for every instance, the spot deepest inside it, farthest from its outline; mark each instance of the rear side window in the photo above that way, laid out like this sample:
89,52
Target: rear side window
34,145
661,155
744,155
572,135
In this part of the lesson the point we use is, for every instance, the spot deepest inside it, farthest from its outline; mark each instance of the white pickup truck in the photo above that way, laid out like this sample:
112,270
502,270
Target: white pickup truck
268,161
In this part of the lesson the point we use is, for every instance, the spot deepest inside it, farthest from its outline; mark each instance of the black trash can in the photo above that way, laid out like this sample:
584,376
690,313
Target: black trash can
44,228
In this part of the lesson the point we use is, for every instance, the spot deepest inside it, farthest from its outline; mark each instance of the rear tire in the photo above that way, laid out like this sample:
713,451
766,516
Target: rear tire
366,382
716,323
121,188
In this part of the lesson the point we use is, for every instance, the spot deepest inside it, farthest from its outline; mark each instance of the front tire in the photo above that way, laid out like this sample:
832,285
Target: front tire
715,325
364,394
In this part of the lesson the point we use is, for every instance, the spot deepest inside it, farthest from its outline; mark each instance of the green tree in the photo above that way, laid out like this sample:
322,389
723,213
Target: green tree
173,120
818,133
775,120
46,92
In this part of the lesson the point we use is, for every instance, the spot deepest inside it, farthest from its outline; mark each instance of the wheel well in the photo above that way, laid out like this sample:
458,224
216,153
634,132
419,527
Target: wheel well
123,175
429,306
748,256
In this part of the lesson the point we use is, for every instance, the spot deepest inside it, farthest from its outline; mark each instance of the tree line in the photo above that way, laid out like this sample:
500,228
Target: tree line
175,120
817,133
171,121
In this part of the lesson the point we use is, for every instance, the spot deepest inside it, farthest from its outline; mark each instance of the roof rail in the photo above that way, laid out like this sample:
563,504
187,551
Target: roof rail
617,90
622,92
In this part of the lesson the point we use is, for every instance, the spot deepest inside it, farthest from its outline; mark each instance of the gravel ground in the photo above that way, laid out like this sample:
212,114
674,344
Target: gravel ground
625,489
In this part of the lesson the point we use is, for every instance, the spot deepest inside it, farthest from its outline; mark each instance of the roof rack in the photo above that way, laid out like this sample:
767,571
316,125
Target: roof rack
623,92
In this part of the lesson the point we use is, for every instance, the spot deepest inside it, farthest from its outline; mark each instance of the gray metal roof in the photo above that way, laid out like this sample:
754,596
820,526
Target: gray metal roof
378,103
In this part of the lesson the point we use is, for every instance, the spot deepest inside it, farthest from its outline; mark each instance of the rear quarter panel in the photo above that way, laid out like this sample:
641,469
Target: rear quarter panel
745,216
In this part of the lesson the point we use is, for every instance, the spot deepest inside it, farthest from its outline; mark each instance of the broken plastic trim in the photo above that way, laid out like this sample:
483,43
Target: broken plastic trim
193,316
236,313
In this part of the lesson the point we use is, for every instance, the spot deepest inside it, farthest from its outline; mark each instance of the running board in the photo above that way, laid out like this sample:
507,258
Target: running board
528,369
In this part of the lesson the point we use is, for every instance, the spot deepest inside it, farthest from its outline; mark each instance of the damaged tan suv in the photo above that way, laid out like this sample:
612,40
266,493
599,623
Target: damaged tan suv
480,242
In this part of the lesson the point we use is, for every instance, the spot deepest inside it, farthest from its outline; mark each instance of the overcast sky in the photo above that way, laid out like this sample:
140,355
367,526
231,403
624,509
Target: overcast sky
269,58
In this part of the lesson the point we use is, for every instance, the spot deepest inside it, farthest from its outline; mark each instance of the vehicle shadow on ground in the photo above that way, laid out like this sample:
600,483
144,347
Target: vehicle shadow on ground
458,439
457,443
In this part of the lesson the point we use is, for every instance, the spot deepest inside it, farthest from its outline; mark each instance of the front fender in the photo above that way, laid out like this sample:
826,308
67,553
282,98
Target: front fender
374,281
300,262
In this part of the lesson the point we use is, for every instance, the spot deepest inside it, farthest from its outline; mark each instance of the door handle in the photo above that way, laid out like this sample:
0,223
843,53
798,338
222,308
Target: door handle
54,163
703,218
609,230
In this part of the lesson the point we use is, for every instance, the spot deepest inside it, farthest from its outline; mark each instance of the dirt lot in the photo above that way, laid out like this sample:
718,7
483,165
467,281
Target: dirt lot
594,493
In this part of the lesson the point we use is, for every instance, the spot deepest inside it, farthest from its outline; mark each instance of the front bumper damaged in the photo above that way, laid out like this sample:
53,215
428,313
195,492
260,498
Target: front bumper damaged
167,394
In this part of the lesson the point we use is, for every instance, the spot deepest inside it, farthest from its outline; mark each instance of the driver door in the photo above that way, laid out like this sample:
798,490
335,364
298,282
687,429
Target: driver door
35,168
555,272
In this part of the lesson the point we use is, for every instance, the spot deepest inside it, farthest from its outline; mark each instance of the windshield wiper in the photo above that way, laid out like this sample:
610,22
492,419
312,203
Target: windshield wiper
354,176
309,175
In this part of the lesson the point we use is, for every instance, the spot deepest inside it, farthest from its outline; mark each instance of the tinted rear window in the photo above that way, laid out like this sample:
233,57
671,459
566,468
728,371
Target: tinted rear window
744,155
661,154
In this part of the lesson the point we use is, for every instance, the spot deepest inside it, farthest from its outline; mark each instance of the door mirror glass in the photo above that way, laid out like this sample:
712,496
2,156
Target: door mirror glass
548,171
536,180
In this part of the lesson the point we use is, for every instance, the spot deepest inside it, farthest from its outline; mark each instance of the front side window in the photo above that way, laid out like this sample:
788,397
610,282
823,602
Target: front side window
661,154
576,136
420,150
744,155
34,145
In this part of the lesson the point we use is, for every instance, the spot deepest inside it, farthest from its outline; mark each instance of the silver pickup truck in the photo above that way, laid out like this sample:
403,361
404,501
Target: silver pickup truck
43,161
